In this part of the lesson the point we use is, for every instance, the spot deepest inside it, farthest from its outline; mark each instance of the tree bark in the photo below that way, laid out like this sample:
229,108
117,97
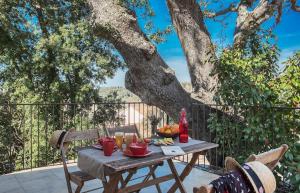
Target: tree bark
249,21
294,6
187,19
148,76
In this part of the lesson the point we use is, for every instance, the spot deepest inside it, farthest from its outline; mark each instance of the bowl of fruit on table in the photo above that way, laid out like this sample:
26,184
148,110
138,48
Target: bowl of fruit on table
169,131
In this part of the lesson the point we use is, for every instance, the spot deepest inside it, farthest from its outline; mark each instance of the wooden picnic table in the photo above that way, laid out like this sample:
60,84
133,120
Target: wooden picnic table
113,169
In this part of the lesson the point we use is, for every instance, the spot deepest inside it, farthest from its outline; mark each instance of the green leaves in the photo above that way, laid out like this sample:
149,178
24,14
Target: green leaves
289,82
251,87
55,56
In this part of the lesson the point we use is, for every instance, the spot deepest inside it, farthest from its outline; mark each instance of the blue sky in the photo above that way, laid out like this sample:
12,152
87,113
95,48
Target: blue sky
287,31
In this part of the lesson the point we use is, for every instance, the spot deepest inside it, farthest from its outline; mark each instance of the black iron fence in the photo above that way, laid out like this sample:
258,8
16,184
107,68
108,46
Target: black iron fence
25,129
239,131
243,130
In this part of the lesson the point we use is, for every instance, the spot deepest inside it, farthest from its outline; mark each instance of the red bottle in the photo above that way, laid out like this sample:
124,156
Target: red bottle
183,127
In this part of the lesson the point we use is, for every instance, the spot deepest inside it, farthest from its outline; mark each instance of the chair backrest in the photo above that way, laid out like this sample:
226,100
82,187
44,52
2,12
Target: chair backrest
270,158
72,135
90,134
126,129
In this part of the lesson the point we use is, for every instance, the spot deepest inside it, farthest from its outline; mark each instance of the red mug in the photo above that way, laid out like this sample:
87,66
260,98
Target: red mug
108,146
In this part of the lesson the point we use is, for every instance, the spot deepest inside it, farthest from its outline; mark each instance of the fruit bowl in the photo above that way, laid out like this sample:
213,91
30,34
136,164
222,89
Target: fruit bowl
167,135
169,131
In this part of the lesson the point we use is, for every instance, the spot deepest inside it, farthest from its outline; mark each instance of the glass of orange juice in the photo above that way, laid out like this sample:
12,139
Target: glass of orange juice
119,139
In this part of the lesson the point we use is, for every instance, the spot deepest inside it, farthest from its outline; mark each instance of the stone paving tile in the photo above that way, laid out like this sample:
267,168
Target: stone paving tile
52,180
16,190
11,185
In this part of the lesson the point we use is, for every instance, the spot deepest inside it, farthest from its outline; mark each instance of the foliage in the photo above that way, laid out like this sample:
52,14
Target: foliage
257,100
107,113
54,55
49,54
154,121
10,141
288,83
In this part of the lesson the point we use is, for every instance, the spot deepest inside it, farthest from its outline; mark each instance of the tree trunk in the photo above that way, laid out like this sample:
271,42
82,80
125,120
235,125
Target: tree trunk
187,19
148,75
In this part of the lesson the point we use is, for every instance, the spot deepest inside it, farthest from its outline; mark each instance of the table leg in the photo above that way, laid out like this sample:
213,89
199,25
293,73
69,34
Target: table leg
177,178
128,177
112,185
152,173
188,168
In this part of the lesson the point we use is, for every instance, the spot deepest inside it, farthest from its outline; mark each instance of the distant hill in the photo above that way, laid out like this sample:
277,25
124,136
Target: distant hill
122,92
128,96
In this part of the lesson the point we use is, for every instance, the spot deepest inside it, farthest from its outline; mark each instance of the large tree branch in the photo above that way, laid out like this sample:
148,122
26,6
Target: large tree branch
249,21
294,6
187,19
148,75
231,8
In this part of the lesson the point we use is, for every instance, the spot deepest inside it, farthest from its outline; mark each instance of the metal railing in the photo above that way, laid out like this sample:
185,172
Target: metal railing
243,130
25,128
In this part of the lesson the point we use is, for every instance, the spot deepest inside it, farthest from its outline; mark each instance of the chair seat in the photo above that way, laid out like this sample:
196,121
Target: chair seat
79,177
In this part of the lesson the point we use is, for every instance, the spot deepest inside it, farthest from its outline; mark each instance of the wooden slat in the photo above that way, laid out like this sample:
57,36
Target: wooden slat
90,134
270,158
146,184
154,158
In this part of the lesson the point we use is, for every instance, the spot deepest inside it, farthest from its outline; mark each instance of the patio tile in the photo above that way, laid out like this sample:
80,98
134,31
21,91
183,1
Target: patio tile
52,180
6,178
9,185
16,190
32,175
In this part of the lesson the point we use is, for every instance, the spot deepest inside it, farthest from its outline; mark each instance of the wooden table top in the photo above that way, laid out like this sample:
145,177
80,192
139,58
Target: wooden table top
126,164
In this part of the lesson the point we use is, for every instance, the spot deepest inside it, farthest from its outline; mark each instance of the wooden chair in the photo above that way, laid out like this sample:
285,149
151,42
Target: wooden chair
270,159
77,177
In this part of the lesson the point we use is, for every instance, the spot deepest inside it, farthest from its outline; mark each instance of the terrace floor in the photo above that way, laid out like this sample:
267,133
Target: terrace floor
52,180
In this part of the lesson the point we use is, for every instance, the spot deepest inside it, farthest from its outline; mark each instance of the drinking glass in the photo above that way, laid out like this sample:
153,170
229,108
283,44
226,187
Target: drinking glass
128,139
119,139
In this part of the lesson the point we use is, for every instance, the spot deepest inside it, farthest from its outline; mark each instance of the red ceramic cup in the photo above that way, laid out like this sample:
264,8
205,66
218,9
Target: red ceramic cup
100,140
108,146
